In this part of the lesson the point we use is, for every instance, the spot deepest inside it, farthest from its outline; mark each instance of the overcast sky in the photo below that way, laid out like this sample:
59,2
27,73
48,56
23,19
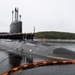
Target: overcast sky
45,15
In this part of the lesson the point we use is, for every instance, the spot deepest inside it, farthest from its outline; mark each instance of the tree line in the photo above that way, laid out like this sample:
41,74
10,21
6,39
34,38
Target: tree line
55,35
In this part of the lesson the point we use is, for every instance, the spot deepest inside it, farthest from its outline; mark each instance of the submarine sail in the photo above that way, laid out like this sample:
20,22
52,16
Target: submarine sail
16,26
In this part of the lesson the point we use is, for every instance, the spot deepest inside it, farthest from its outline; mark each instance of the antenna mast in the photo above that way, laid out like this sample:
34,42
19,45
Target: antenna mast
16,14
12,15
34,31
20,17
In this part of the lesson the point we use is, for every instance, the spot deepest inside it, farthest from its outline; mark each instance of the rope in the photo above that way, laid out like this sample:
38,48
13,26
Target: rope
38,64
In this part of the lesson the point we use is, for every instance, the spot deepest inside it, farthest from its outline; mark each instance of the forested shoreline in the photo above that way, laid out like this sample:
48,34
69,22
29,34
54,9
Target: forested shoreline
55,35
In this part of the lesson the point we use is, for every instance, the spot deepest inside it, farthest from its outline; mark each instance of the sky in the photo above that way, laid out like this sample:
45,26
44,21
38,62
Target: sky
45,15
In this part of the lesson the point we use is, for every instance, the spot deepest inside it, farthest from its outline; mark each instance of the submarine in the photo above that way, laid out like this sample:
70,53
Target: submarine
24,44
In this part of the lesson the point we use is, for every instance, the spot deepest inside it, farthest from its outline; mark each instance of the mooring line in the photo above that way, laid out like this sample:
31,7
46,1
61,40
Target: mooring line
38,64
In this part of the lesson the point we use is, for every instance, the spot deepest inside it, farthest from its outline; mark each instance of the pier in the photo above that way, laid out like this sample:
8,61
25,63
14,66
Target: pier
18,36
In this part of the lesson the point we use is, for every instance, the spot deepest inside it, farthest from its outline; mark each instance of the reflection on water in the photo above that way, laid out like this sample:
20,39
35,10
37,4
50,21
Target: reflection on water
17,60
14,60
11,60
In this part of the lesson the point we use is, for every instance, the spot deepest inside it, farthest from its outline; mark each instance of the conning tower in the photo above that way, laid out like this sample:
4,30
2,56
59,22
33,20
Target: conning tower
16,25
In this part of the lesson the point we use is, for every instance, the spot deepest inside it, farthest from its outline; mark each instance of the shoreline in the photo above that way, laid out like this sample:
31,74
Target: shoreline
57,40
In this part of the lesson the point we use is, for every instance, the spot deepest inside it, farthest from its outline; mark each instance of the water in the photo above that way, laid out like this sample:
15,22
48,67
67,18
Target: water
9,60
